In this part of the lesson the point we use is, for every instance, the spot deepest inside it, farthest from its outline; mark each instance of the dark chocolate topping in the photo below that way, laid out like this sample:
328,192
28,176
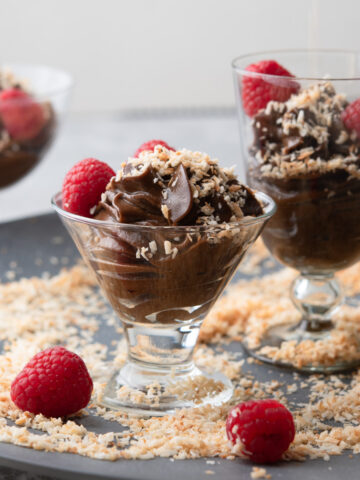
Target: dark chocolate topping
173,192
178,196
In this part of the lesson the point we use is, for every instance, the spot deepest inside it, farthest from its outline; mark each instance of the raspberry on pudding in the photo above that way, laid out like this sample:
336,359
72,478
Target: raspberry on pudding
26,129
150,145
307,159
83,185
257,92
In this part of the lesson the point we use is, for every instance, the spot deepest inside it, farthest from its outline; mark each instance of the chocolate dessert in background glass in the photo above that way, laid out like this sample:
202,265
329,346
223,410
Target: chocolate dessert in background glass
299,115
32,101
163,242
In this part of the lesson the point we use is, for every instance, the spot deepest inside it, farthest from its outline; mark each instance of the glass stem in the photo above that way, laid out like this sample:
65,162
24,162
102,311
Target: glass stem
317,297
167,349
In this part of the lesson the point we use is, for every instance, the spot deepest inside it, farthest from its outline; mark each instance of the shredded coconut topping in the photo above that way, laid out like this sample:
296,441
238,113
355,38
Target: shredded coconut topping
205,176
305,135
38,312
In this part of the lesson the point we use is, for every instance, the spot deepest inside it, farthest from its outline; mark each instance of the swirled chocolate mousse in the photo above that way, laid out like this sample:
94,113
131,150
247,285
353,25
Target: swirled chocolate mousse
151,273
306,159
26,129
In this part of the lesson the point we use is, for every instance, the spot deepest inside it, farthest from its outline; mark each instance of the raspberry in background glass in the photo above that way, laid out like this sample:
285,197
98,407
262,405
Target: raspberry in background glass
302,148
32,102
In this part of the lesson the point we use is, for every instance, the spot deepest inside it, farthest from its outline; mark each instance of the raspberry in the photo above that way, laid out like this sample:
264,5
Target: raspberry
257,91
150,146
83,185
351,116
22,117
55,383
264,427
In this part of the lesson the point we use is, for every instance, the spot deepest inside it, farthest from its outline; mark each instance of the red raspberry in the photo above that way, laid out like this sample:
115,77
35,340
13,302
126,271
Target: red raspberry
351,116
55,383
257,91
151,145
83,185
22,117
265,428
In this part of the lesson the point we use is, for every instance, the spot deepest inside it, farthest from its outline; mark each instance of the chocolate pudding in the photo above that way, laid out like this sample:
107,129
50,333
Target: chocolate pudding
26,130
308,162
180,236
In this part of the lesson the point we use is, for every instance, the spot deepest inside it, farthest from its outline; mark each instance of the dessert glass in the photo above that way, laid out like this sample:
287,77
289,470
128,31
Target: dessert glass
316,229
162,295
49,88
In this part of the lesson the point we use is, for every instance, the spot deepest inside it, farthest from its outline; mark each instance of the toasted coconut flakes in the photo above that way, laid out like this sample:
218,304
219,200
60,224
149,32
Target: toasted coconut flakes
165,211
153,246
167,247
36,313
10,275
258,472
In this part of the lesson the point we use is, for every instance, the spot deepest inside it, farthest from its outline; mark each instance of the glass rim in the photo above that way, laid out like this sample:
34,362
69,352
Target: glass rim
68,78
294,51
269,210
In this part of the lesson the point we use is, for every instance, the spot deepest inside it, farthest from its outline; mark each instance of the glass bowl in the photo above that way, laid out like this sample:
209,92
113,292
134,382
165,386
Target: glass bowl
161,282
28,125
298,150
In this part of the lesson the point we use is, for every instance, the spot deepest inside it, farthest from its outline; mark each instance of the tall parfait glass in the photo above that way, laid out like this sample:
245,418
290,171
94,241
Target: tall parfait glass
300,140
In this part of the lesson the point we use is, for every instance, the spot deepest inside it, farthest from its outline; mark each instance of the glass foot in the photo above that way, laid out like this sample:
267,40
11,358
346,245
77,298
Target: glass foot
317,344
140,390
310,350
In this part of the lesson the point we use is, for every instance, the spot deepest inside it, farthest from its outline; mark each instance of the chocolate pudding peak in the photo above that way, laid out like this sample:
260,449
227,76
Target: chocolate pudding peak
168,188
305,135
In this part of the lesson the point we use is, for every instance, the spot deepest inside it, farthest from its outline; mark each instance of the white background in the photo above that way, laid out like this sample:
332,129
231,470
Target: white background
152,54
141,54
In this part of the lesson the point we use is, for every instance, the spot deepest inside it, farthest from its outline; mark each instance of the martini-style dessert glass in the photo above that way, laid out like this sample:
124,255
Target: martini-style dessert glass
32,102
164,240
299,114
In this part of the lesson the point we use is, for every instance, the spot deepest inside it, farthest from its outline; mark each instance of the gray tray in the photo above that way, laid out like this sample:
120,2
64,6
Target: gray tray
26,240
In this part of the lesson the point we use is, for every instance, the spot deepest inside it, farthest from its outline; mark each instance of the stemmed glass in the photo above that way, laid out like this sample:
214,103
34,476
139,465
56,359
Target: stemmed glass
34,120
161,290
316,229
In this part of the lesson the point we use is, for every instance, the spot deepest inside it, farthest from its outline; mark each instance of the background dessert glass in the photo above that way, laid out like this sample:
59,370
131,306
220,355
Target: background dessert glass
316,229
49,89
161,291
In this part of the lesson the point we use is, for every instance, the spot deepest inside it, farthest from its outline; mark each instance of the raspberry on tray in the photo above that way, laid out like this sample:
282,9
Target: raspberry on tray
55,383
264,427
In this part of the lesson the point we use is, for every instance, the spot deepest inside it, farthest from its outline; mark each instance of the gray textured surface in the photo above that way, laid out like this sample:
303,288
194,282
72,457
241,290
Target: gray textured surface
36,235
113,138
